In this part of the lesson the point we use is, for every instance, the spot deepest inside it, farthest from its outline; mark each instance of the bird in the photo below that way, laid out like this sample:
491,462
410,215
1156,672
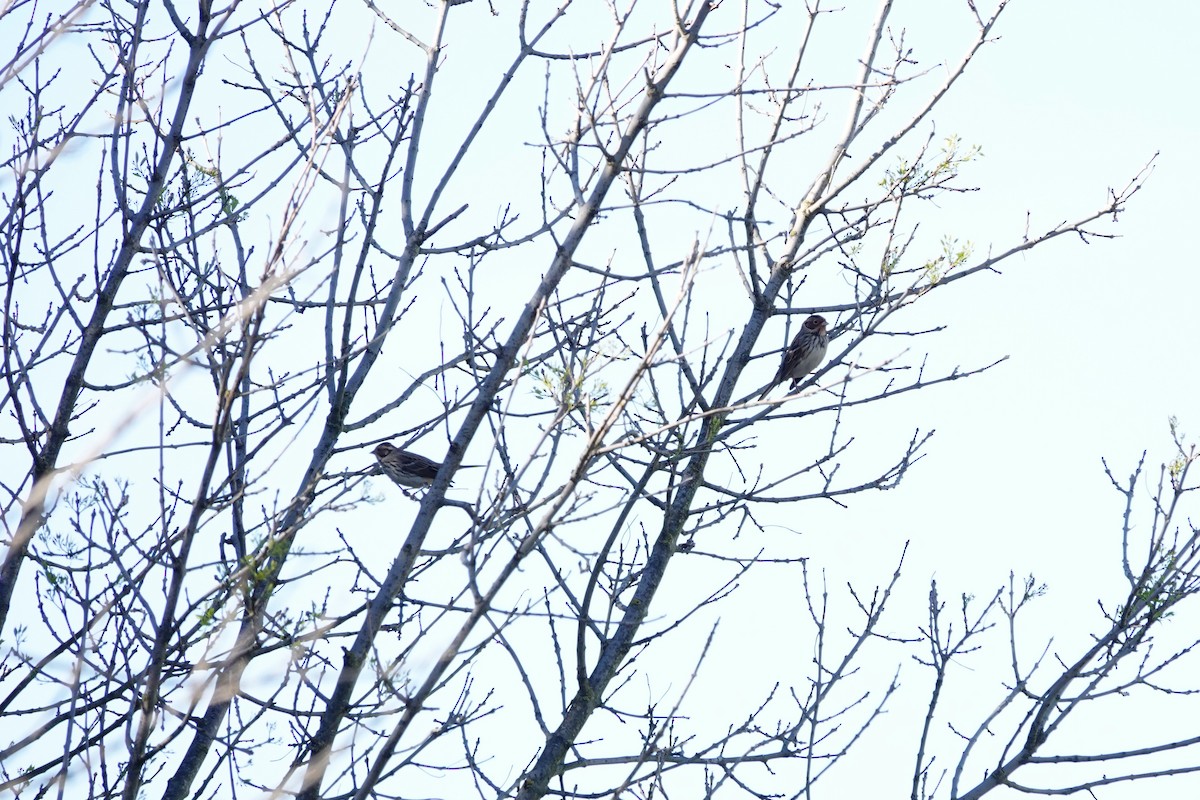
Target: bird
803,355
404,468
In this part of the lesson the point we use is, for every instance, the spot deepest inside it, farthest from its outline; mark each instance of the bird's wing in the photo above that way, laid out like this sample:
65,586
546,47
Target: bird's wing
420,465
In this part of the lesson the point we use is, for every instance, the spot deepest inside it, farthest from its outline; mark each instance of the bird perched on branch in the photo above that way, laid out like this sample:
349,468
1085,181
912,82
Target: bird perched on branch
803,355
404,468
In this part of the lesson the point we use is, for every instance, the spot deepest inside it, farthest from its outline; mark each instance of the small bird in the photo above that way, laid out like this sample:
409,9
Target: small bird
405,468
804,354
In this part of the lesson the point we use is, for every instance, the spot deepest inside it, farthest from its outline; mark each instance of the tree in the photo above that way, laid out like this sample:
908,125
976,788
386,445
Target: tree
512,248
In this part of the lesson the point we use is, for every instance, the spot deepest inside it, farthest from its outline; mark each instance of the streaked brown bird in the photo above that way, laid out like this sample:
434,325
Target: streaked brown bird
404,468
803,355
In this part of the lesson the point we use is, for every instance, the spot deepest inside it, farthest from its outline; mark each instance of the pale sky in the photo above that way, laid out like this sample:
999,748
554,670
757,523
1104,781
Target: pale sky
1077,97
1101,340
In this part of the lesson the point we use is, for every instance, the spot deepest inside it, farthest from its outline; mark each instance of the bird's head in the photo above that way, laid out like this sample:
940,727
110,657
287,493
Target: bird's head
383,450
816,324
